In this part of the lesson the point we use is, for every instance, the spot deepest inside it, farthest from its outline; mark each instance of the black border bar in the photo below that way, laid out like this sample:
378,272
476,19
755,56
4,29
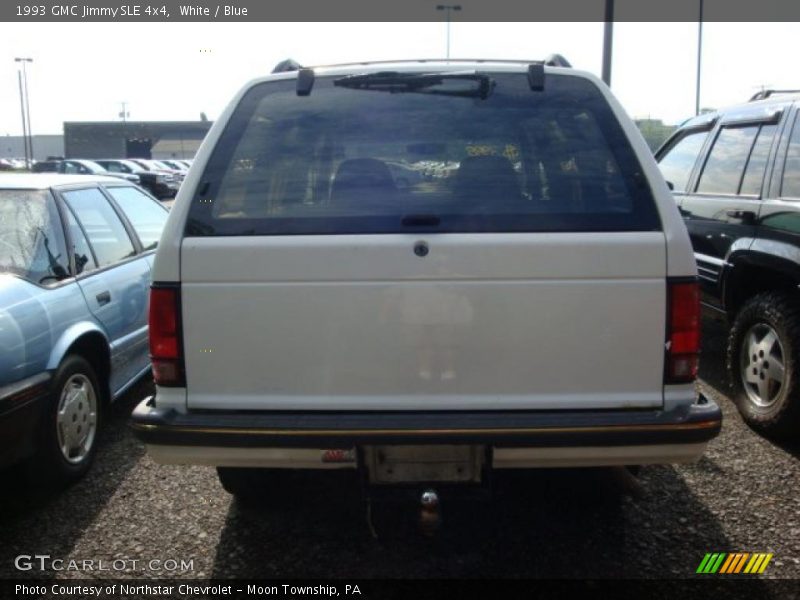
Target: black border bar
701,587
394,10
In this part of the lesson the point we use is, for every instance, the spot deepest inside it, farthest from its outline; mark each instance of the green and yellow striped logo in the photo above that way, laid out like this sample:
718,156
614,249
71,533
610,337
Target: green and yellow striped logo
734,563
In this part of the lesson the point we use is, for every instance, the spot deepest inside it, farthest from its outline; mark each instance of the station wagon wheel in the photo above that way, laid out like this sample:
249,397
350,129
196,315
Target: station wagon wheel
76,419
71,421
763,347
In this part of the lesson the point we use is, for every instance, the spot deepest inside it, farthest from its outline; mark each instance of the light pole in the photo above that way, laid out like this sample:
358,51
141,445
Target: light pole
448,8
24,126
699,60
608,41
26,117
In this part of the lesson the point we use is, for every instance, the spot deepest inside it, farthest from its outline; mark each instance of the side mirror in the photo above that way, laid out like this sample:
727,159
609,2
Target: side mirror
671,186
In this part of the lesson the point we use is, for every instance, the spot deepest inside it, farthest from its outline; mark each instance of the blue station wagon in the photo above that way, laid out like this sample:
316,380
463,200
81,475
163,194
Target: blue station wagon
75,259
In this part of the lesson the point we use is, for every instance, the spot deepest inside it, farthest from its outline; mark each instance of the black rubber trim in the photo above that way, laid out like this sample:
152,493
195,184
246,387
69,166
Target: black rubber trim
697,423
20,393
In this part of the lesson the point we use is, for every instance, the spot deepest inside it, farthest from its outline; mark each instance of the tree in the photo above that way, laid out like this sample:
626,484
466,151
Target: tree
654,131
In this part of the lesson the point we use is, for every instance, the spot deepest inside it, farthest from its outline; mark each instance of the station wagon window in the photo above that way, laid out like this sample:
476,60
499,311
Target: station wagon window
346,160
737,160
677,164
145,214
31,237
790,187
106,233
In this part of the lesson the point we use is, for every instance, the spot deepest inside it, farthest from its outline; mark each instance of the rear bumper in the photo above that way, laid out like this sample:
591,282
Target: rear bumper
583,437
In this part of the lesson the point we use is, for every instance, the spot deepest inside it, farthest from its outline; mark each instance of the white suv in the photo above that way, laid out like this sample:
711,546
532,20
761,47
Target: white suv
424,270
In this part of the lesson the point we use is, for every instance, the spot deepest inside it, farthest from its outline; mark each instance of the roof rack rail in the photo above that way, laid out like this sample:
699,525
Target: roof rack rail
286,66
550,61
763,94
536,76
305,76
557,60
305,81
536,70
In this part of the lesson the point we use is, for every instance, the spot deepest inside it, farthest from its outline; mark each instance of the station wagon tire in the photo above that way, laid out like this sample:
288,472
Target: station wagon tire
70,425
763,348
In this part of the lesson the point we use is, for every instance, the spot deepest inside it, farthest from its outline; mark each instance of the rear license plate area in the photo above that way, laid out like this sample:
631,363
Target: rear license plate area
433,463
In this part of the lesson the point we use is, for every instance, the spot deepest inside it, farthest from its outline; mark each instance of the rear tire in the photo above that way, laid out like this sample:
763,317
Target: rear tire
763,349
70,425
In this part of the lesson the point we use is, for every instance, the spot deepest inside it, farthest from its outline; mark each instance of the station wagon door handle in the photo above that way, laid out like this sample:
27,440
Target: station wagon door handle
748,216
103,298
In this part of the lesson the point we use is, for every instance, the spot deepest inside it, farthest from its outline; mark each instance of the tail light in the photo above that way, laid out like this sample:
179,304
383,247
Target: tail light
166,350
683,332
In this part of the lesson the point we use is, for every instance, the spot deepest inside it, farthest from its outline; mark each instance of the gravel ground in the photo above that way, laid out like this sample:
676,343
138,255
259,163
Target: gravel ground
742,496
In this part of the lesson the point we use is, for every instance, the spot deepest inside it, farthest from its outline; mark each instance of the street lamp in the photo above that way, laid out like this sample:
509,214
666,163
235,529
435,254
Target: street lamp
448,8
26,112
699,59
24,127
608,41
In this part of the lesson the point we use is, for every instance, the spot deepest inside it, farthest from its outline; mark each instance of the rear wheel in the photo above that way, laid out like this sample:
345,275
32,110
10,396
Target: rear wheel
763,347
70,425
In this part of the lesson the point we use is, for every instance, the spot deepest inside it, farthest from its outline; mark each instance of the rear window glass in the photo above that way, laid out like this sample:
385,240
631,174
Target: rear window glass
346,160
31,237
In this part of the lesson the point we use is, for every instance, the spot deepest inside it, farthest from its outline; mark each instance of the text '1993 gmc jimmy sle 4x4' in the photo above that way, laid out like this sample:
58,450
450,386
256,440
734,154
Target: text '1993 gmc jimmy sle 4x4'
528,298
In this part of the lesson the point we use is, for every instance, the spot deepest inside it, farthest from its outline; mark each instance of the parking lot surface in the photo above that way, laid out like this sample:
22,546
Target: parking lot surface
741,497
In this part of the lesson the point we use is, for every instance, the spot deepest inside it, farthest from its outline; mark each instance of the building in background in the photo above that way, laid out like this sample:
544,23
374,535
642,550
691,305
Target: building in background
172,139
134,139
13,146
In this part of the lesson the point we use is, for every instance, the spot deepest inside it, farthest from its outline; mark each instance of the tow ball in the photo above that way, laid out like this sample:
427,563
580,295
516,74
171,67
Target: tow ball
430,516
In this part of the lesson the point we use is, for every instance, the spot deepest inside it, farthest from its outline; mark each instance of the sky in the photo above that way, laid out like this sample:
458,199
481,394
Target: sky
175,71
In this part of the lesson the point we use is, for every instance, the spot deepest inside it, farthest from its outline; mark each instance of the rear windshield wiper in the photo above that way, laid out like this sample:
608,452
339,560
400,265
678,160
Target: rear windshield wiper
420,83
